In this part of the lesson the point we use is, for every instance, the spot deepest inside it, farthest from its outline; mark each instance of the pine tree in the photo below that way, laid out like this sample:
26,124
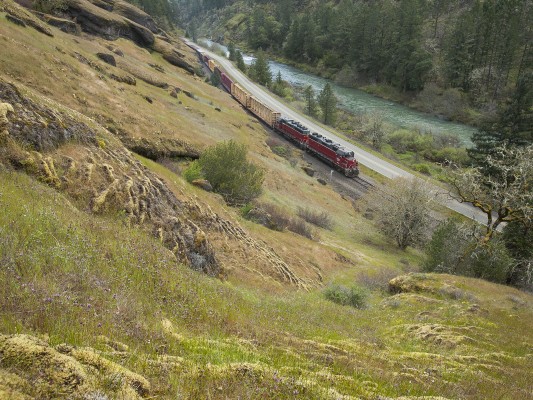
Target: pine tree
240,61
310,101
513,124
231,51
328,104
260,71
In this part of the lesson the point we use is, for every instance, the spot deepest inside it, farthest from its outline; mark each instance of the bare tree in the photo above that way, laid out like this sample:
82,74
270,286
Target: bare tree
504,193
374,130
401,209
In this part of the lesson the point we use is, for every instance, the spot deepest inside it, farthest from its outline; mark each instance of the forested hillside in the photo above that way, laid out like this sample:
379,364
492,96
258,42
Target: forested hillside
459,50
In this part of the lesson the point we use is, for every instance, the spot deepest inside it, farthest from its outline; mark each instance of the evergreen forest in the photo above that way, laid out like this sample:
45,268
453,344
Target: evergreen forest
470,51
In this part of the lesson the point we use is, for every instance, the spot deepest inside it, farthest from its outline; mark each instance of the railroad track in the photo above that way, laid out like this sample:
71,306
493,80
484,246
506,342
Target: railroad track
363,182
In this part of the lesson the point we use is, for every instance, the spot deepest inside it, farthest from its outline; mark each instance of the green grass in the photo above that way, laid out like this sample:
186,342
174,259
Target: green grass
75,276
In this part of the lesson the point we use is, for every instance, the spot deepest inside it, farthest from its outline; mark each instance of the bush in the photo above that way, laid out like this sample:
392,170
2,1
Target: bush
269,216
445,249
456,249
378,280
193,172
320,219
347,296
225,166
422,168
299,227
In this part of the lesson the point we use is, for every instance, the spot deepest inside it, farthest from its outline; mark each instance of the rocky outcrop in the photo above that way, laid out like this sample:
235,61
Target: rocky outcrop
116,18
62,24
159,148
107,58
102,176
21,16
103,22
203,184
45,371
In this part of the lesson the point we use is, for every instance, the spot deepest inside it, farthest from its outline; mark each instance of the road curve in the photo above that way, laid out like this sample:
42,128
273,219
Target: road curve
363,157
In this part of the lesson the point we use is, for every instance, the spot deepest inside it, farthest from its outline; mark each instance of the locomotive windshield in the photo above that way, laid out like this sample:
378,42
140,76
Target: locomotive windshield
345,153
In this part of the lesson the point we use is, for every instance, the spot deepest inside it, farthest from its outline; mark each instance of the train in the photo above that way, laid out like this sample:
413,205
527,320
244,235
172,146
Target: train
322,147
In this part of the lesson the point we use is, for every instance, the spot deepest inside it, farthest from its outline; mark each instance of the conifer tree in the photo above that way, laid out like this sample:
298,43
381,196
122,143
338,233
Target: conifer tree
240,61
310,101
260,71
231,51
328,104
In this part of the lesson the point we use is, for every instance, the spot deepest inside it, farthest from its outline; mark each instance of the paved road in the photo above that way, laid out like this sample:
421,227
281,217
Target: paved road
365,158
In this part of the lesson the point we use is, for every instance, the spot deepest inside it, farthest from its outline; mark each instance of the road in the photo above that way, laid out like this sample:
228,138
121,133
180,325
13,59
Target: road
363,157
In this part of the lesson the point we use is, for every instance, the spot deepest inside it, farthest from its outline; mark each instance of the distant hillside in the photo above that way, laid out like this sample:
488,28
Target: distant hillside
439,52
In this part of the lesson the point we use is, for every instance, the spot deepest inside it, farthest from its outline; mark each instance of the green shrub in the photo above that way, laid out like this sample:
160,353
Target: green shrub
454,155
422,168
225,166
456,249
193,172
347,296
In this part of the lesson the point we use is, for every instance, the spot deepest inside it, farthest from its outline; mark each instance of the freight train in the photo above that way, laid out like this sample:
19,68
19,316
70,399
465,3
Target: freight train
322,147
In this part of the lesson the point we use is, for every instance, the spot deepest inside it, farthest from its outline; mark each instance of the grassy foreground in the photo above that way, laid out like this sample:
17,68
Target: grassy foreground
75,280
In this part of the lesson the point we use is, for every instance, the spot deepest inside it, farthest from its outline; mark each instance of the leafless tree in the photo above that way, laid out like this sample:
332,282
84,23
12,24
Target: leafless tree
374,130
505,194
401,209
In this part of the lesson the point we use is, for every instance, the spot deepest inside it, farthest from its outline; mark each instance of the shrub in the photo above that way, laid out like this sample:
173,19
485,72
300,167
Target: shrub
378,280
422,168
456,249
225,166
269,216
347,296
193,172
320,219
299,227
279,147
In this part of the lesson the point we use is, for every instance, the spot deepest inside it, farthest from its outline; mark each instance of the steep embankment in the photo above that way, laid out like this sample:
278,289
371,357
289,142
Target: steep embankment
97,300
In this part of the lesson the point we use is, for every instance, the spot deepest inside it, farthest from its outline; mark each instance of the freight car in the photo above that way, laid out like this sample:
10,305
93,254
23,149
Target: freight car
266,114
224,79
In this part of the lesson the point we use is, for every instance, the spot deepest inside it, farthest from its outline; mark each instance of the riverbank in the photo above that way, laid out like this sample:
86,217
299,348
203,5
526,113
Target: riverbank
448,105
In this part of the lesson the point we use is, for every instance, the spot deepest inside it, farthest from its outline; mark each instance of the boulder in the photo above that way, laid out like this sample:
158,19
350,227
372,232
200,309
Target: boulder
309,171
322,181
107,58
203,184
129,80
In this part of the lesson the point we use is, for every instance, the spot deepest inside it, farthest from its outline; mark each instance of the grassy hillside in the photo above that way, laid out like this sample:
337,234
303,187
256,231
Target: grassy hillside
69,277
98,291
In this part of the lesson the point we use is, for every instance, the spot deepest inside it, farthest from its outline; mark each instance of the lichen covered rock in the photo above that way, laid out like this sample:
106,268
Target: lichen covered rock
31,368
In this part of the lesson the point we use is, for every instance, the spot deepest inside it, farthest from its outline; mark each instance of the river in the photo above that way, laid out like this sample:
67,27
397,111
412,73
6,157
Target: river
357,101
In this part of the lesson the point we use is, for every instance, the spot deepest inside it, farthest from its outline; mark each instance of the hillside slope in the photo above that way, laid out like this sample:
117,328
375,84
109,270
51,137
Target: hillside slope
120,280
